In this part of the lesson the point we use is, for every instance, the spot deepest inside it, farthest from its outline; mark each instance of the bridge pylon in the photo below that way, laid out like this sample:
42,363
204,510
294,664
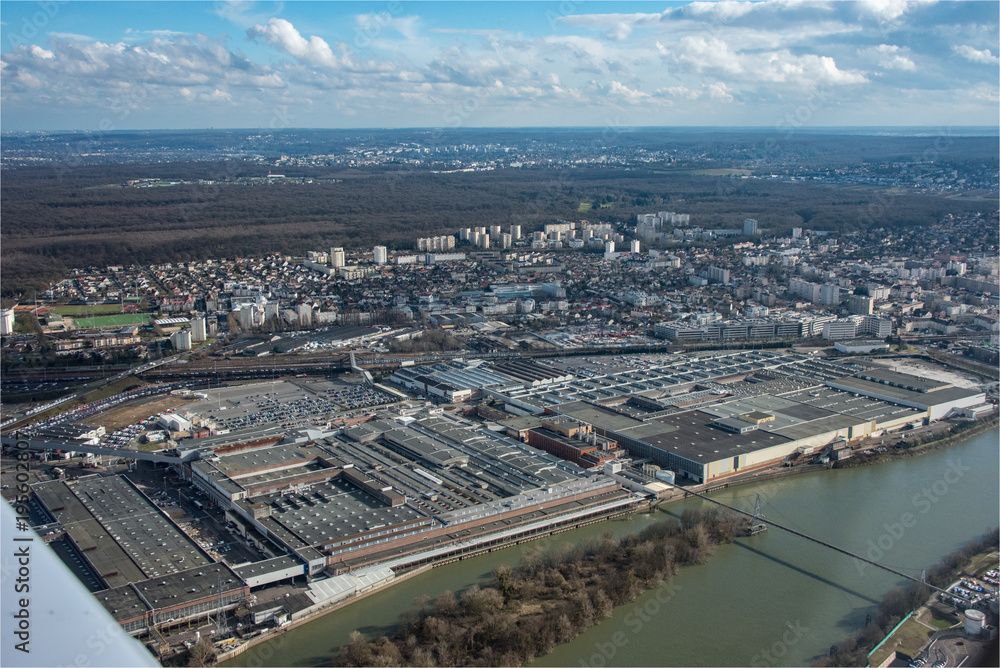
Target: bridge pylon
757,524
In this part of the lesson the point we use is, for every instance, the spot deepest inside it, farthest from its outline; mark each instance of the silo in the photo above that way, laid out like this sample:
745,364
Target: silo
974,622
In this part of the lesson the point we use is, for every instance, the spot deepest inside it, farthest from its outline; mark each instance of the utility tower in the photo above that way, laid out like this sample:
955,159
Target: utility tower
757,524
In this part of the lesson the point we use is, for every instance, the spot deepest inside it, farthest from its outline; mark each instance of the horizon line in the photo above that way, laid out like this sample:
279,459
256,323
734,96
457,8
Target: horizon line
616,128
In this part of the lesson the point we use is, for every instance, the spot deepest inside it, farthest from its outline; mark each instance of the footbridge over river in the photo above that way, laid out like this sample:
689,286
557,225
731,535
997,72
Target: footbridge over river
758,519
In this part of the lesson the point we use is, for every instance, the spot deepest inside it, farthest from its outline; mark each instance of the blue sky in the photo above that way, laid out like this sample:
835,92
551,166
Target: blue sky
775,63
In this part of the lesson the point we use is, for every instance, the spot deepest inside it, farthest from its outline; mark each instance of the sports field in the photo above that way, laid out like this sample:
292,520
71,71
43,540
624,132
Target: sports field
119,320
97,309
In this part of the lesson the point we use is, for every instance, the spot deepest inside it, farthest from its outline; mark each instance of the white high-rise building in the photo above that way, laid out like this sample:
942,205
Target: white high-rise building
718,275
829,294
635,245
609,250
800,288
749,227
7,321
495,231
484,241
198,329
515,232
181,340
381,255
337,258
506,240
304,312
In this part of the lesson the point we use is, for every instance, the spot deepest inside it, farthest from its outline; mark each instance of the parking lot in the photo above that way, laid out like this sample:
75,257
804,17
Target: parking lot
293,402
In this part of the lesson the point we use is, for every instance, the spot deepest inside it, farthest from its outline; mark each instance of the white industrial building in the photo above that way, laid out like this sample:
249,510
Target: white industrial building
173,422
860,346
937,399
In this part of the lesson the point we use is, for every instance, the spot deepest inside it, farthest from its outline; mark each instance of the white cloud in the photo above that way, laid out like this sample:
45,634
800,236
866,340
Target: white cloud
984,56
891,57
621,91
282,35
241,12
126,78
72,35
719,92
890,10
711,55
39,52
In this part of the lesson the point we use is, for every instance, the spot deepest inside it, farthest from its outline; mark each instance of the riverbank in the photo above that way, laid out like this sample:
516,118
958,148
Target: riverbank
911,619
900,448
316,614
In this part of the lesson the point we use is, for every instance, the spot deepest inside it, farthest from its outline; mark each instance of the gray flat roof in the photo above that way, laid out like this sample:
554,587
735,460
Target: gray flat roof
340,510
170,591
103,553
904,380
596,415
274,565
154,543
690,435
924,399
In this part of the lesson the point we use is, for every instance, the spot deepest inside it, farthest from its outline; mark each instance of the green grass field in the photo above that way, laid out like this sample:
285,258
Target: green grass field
119,320
88,310
585,206
908,638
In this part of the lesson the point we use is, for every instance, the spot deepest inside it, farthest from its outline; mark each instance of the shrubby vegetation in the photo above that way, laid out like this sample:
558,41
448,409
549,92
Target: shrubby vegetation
547,599
900,601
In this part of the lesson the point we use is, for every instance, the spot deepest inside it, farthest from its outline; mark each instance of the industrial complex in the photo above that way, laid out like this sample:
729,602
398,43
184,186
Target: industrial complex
333,488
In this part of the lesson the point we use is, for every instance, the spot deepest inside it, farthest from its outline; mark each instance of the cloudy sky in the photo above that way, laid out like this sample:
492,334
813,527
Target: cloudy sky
130,65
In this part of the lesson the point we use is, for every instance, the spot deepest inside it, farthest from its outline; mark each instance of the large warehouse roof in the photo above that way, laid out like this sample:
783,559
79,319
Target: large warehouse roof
690,435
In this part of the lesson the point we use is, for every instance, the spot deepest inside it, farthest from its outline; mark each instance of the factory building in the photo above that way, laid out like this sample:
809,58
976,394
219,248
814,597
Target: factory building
936,400
716,415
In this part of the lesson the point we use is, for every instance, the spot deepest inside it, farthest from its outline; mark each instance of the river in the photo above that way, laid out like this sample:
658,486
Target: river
772,599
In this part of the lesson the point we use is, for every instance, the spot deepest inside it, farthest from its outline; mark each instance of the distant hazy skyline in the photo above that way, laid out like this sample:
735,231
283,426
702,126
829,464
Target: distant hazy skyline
105,66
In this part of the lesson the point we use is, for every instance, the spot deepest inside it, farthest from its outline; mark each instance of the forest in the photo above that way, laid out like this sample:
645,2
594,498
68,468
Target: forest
85,216
548,598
